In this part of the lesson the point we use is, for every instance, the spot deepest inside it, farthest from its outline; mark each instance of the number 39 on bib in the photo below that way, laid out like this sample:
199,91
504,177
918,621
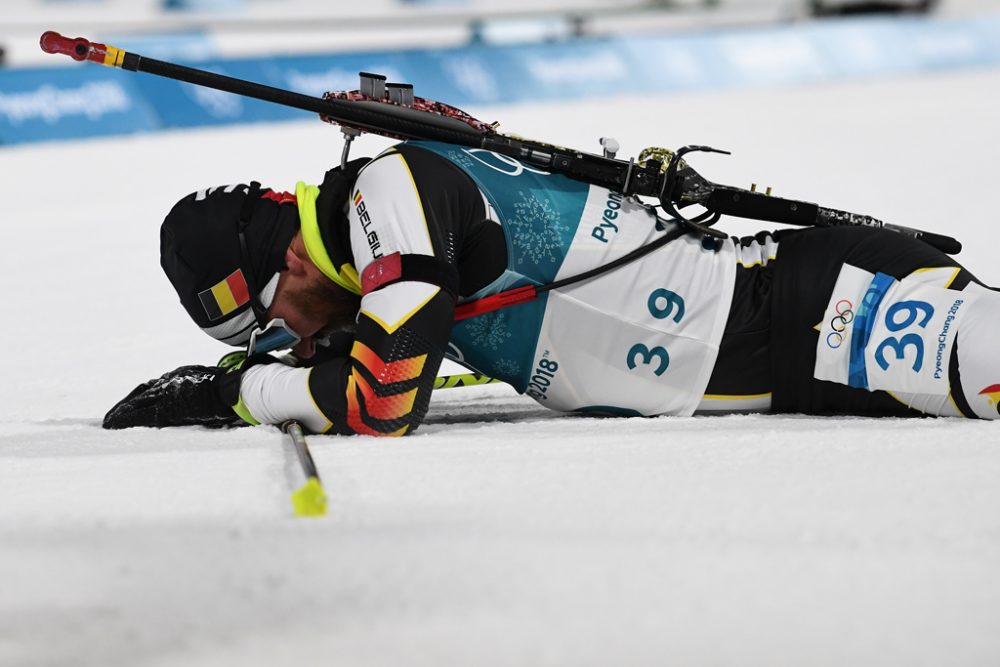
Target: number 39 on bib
879,333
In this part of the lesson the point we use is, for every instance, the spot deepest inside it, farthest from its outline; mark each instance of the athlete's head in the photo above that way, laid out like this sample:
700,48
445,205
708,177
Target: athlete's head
308,302
237,260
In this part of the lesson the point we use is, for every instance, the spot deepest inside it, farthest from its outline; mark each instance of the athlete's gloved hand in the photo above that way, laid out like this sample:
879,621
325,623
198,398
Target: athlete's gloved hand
187,396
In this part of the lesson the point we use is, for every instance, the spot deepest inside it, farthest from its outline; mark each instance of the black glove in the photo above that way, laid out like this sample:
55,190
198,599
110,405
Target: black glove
188,396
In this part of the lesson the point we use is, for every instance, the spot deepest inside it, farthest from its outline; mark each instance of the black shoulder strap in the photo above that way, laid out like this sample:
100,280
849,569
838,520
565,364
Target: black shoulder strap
331,210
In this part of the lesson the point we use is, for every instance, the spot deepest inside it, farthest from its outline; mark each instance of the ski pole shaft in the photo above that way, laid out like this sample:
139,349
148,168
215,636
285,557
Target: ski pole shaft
310,498
294,430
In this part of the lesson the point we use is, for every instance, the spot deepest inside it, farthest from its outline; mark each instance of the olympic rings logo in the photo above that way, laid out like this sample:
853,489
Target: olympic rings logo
845,315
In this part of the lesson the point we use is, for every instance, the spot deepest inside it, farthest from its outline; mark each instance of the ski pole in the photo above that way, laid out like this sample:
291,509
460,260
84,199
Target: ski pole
310,498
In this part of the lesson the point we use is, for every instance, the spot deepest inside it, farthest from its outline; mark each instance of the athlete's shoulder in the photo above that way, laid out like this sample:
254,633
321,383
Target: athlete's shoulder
385,211
408,168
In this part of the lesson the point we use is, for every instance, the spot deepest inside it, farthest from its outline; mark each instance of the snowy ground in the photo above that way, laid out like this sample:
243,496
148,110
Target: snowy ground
500,534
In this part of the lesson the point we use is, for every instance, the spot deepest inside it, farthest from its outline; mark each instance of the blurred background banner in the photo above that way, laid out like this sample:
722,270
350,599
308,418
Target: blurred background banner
464,53
58,104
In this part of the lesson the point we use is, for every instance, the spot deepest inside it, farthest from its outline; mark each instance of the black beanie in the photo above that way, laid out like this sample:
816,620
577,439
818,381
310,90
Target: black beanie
201,255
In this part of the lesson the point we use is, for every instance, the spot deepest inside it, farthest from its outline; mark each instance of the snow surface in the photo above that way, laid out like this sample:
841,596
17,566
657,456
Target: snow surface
499,534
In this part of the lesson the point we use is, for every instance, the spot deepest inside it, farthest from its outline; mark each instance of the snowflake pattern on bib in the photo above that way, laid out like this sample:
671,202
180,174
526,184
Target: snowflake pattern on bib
536,229
489,330
505,368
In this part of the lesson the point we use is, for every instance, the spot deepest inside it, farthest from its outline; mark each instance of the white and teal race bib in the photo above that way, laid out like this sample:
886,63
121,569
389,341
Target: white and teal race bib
879,333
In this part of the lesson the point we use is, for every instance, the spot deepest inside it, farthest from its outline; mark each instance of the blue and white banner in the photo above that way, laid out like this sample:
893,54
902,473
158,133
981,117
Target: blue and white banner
70,103
86,100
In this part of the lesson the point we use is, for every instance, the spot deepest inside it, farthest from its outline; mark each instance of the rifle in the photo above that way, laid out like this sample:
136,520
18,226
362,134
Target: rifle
391,110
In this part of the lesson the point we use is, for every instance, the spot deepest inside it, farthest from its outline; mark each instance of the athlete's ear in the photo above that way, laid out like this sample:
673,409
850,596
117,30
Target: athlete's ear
293,264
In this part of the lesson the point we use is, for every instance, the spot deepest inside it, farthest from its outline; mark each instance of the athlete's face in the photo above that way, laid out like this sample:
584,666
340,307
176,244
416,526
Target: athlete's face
309,302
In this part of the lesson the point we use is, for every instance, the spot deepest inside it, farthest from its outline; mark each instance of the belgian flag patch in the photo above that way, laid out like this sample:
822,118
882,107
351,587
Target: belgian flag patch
225,296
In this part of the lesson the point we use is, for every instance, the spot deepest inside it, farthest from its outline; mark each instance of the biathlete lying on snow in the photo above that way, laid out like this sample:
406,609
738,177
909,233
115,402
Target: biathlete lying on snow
363,275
